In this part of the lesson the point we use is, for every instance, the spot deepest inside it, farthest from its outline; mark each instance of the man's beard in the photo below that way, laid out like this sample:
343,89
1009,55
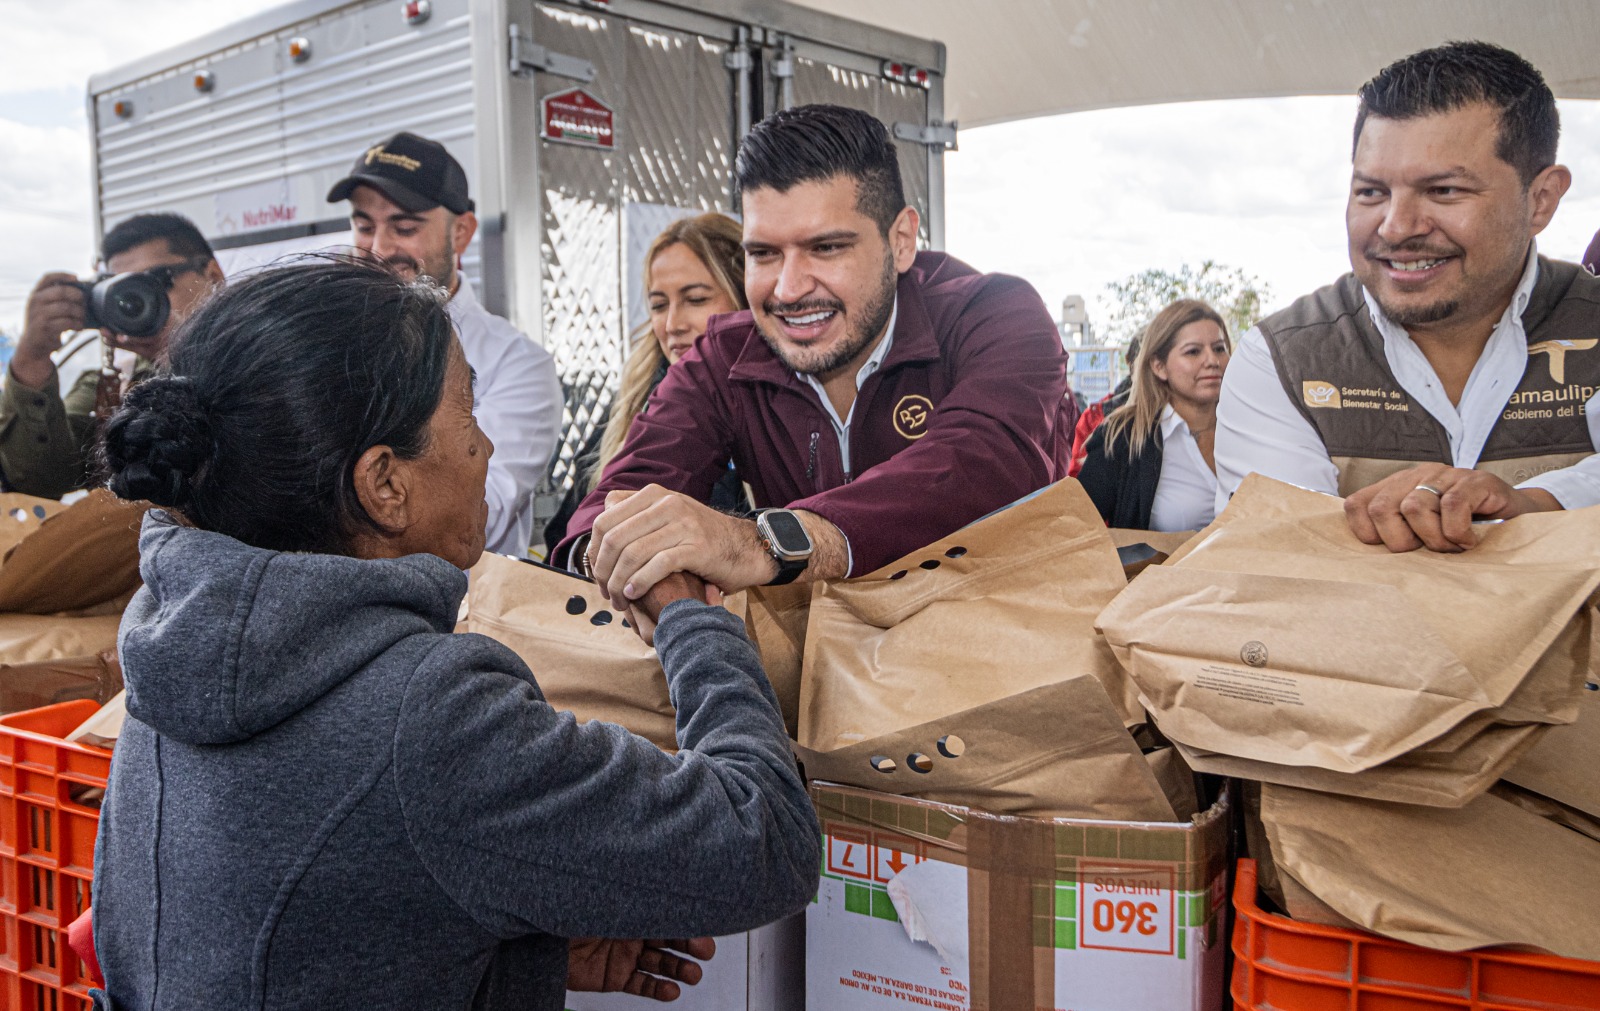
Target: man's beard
1416,315
860,333
1419,315
439,268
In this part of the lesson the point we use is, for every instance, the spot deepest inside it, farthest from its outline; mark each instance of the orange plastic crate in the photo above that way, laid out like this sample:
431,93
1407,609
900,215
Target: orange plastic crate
1283,965
46,855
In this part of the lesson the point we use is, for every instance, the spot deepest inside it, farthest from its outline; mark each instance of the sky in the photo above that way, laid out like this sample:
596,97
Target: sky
1071,203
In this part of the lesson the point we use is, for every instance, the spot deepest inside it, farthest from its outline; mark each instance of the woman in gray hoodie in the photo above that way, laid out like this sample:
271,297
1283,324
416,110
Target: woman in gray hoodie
323,797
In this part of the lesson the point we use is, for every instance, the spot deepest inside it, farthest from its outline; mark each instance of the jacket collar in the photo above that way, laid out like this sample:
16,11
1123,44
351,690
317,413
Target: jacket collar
914,340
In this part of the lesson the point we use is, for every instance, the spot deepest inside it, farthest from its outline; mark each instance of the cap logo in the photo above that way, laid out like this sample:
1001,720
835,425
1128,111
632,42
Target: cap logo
1319,394
911,416
376,153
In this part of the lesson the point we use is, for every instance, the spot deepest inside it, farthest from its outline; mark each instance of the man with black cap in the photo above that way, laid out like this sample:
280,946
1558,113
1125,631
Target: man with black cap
409,207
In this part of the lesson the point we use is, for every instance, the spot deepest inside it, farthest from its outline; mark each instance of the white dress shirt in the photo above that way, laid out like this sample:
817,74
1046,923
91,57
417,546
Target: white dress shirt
841,426
1186,492
1259,429
518,404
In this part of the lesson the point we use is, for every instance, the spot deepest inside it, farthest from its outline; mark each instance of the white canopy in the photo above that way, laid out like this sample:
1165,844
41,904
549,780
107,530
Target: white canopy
1012,59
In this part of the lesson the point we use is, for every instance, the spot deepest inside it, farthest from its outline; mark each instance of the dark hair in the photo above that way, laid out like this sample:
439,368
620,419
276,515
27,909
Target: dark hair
1455,74
813,143
182,237
272,391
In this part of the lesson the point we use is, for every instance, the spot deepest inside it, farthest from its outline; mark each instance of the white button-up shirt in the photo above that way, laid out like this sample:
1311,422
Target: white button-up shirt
518,407
841,426
1259,429
1186,492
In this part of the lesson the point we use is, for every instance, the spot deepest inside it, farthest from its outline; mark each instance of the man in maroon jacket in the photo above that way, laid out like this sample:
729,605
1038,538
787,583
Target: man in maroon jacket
880,397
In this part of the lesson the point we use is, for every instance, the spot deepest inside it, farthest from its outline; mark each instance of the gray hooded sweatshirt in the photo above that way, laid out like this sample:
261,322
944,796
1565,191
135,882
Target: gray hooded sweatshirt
324,799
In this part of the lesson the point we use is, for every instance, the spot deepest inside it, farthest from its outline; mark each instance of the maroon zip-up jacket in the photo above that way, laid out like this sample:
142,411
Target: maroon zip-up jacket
969,412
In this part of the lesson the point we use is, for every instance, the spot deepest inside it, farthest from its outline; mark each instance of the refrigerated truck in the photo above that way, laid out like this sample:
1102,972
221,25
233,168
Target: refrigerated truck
584,128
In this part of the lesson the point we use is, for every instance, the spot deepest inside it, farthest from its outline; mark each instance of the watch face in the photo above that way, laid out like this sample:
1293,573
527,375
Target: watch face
788,536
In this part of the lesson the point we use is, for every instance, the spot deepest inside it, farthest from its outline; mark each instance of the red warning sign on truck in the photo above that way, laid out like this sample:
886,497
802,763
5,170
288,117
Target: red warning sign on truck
577,117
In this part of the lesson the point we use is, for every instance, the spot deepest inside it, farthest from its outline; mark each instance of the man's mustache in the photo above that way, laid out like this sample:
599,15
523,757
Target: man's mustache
801,308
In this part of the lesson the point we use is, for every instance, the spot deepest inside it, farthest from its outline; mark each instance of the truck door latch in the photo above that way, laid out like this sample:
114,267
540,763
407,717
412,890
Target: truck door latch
528,57
936,134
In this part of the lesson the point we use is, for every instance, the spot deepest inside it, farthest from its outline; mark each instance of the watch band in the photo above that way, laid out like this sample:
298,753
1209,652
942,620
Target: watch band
788,571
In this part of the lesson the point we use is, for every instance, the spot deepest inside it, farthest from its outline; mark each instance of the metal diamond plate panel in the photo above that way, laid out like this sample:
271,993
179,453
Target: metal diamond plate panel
580,268
889,101
679,138
672,101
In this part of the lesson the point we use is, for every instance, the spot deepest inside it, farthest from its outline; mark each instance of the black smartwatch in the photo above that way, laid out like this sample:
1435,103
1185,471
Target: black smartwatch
784,537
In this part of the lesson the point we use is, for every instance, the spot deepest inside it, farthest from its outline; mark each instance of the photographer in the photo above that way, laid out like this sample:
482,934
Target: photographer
45,437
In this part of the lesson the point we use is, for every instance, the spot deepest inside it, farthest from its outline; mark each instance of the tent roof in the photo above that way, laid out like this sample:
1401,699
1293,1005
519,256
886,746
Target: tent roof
1012,59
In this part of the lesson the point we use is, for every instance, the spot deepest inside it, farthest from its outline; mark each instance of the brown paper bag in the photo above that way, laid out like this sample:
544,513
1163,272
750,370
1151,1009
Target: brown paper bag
79,556
44,683
1057,751
1485,874
775,618
1286,640
27,638
1177,781
1001,608
1567,817
21,516
1426,777
580,651
1564,765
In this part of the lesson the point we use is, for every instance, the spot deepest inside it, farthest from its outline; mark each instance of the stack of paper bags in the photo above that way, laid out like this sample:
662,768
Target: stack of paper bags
970,673
1516,866
1275,646
65,576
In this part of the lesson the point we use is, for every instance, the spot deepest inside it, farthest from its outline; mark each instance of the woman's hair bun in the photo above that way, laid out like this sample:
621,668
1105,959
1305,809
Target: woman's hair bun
159,442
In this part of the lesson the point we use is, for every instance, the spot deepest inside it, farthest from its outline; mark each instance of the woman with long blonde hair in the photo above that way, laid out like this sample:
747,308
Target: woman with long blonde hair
1150,465
692,271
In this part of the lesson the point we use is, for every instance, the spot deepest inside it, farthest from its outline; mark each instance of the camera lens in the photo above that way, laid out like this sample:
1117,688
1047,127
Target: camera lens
131,304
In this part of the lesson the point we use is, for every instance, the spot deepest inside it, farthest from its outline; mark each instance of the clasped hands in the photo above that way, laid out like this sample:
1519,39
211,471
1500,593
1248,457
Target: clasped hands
653,546
1433,506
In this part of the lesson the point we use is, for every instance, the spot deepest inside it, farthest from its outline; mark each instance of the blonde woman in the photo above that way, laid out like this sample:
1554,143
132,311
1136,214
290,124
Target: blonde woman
1150,466
694,270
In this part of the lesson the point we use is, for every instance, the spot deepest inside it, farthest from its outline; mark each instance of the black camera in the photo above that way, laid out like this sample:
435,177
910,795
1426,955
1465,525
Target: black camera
133,304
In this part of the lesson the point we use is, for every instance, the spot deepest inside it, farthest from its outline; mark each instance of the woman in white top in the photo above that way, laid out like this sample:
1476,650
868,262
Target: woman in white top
1150,466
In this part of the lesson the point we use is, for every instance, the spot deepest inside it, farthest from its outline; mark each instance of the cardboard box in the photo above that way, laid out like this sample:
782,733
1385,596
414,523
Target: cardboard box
1020,914
762,970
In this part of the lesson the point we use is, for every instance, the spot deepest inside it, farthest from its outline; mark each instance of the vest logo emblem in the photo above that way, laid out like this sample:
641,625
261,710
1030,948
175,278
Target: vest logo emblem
911,416
1557,350
1319,394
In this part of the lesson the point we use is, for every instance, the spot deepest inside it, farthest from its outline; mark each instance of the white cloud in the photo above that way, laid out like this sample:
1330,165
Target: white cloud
44,200
58,45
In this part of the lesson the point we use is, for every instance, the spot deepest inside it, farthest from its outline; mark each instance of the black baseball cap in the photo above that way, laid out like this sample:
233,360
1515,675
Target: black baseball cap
414,172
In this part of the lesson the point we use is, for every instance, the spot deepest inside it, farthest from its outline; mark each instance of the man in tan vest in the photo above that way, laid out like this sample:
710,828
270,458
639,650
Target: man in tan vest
1453,375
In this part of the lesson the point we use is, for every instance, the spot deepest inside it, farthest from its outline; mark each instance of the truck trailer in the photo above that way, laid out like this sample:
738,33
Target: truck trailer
585,126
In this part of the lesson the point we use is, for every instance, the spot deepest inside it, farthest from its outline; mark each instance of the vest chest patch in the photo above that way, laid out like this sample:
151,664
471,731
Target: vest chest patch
1316,393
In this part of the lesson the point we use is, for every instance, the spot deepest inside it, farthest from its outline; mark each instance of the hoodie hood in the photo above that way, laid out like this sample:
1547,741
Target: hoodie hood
225,640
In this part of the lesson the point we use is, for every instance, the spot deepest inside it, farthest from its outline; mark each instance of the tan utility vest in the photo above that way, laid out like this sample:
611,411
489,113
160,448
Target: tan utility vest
1330,359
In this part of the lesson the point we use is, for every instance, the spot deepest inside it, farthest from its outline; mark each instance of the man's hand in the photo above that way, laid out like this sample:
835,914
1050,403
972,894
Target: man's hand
1434,505
645,612
642,968
646,535
54,307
